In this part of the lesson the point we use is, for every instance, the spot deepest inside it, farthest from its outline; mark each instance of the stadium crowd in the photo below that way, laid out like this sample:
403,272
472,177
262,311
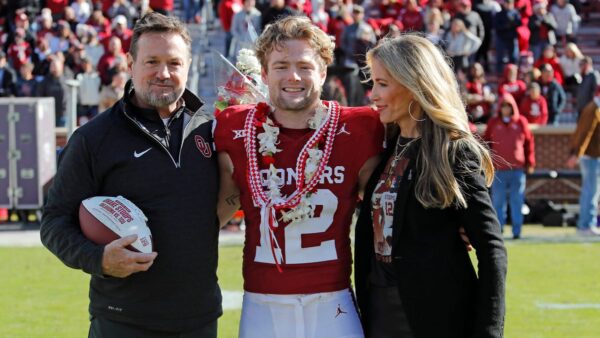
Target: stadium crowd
523,51
527,48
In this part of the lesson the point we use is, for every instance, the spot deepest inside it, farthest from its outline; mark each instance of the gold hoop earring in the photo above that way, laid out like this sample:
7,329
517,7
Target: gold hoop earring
411,115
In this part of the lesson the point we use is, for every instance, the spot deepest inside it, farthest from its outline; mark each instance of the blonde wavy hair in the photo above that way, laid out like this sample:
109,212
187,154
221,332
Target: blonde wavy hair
420,66
294,28
574,49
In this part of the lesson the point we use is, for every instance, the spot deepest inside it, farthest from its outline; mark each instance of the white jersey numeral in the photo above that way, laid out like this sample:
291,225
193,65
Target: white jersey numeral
294,252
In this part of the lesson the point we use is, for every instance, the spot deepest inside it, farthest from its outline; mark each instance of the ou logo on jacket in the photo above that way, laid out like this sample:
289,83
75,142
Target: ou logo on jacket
203,146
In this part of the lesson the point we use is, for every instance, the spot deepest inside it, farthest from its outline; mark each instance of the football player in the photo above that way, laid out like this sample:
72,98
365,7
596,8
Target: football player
297,166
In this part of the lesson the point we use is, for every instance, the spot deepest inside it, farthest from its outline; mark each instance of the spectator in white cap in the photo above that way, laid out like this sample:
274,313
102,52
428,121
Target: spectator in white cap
121,30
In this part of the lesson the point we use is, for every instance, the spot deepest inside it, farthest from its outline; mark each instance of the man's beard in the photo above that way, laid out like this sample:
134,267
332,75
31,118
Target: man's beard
301,105
161,100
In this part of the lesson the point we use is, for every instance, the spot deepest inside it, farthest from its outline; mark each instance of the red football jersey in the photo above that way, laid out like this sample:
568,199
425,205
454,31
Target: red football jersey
316,252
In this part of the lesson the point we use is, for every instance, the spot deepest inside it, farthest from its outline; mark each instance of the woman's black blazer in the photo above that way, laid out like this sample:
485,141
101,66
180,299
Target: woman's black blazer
441,292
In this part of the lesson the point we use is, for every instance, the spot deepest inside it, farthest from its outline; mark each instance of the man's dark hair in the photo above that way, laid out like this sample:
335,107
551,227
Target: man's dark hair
158,23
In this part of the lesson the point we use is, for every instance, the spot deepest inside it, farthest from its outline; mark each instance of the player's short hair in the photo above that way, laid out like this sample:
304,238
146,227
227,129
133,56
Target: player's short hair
157,23
294,28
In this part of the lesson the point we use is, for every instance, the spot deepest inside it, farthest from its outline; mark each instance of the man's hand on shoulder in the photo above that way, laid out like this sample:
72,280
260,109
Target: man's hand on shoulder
118,261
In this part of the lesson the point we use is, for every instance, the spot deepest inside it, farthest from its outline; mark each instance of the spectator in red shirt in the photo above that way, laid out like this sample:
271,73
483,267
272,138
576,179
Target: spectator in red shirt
389,9
381,14
534,106
511,84
479,95
549,56
412,17
523,32
19,52
227,9
110,59
511,141
100,23
22,21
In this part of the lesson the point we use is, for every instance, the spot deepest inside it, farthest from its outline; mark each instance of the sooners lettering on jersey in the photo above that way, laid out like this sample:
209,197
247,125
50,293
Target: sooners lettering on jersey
316,252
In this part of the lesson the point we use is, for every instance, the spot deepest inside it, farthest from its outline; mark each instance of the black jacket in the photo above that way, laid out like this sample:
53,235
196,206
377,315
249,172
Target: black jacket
440,291
178,195
506,23
556,97
536,22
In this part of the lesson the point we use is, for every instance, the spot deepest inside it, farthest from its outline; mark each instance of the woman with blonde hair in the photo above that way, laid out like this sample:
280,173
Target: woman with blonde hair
413,274
570,63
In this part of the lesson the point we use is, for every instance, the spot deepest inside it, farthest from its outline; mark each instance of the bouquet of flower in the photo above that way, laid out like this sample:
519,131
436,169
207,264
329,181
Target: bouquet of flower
239,84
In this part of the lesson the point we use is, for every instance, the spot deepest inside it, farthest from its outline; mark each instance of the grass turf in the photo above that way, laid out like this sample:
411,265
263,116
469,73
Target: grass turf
39,297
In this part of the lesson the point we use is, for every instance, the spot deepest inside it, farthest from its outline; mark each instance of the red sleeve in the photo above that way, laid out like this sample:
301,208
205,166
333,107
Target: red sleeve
370,133
544,111
226,14
487,136
227,123
501,89
558,73
529,144
525,106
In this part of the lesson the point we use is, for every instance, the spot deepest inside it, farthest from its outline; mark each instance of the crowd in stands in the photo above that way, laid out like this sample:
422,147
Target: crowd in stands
525,48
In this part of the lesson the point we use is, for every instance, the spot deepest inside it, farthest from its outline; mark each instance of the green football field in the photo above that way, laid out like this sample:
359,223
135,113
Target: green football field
553,290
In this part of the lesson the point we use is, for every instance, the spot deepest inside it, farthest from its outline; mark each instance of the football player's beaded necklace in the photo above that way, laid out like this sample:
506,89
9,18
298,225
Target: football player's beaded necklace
309,168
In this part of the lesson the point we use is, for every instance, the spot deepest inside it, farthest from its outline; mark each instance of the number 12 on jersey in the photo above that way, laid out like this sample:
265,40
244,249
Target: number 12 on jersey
292,246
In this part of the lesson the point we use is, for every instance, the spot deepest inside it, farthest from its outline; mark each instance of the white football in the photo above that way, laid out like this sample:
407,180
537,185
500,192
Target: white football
104,219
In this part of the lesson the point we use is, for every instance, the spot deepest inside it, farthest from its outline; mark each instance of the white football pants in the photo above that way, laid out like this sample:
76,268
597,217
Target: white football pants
319,315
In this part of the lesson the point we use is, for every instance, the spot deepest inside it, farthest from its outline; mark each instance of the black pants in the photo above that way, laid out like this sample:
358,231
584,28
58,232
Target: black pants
386,317
104,328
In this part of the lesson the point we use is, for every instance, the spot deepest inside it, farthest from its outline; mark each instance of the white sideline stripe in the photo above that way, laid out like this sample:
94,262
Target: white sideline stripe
572,306
232,300
25,238
31,238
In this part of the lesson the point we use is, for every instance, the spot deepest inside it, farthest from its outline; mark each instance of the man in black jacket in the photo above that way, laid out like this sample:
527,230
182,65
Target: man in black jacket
541,25
506,23
152,147
590,79
553,92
